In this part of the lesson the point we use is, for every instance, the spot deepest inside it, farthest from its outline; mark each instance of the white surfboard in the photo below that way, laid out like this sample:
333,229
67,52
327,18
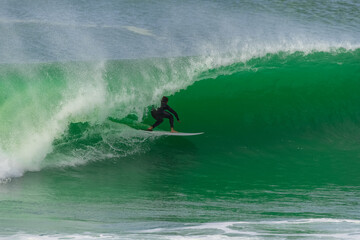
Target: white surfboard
160,133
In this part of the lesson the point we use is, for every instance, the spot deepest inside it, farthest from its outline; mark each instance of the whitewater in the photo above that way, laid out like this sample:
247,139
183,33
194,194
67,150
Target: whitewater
274,85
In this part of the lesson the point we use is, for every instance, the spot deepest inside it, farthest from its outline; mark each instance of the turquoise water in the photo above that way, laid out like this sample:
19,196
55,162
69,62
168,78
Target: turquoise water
274,85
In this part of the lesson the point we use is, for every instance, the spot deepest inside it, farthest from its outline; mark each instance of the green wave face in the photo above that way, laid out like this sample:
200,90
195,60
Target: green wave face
275,98
59,114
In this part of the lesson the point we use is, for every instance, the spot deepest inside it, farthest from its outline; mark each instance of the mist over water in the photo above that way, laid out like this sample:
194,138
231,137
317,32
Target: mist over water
72,30
274,85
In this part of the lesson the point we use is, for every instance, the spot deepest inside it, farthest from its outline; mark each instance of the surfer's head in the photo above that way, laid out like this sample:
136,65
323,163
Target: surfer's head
164,99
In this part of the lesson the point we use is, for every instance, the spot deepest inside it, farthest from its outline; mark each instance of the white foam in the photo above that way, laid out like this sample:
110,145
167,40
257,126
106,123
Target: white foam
260,229
24,236
227,230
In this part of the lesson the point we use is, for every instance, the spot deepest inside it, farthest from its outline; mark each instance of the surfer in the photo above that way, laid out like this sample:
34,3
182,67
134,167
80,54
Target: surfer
160,113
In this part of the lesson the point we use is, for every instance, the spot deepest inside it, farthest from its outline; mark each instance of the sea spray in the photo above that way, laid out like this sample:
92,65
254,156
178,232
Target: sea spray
39,107
41,100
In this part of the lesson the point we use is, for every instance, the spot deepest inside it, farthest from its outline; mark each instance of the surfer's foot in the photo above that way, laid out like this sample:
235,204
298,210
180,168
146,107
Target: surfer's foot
149,129
173,131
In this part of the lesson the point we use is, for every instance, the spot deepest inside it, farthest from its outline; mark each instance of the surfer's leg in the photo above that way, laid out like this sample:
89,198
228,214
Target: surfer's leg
153,114
171,119
157,123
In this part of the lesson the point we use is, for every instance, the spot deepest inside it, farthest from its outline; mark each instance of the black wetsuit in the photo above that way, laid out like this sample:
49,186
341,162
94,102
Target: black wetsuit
159,114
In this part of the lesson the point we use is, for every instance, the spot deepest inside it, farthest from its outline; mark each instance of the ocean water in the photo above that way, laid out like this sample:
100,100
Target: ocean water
273,84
